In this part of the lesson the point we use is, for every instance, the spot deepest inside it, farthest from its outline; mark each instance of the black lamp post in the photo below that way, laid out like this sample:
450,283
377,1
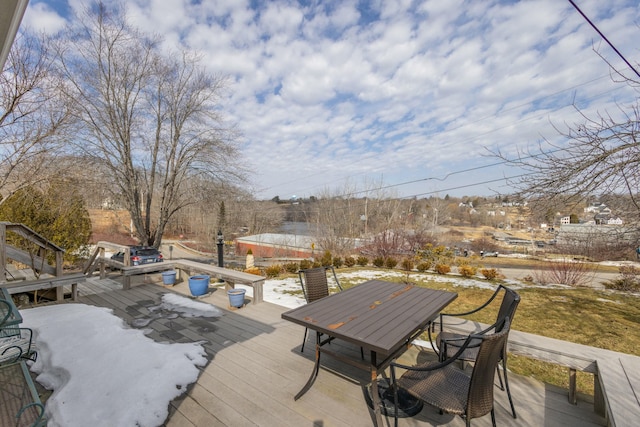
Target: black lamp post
220,249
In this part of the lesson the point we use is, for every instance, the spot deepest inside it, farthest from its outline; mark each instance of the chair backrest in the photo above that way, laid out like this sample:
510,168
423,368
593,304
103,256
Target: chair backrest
315,284
480,397
508,307
5,311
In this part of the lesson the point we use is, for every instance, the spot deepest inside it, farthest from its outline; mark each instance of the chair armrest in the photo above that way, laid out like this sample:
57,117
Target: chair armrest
475,310
16,347
40,409
438,365
335,276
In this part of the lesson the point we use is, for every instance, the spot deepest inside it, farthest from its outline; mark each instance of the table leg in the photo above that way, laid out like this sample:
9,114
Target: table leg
314,373
375,396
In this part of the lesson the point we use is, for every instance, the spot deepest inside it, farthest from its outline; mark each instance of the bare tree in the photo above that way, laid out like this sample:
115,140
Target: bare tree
601,157
153,121
32,117
337,219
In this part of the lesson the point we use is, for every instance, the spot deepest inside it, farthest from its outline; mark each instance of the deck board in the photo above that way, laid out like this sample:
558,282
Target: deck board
255,368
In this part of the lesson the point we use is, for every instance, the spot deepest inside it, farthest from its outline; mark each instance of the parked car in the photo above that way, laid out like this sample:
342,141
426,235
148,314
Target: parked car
490,253
140,255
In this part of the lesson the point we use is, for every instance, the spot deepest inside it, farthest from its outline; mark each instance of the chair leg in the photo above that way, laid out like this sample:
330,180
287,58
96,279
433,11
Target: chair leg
500,378
304,340
506,383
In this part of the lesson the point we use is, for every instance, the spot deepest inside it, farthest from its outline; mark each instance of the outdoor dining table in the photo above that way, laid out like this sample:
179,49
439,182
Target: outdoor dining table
379,316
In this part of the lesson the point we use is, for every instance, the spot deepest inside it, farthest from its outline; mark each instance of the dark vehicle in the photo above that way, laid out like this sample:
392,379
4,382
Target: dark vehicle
140,255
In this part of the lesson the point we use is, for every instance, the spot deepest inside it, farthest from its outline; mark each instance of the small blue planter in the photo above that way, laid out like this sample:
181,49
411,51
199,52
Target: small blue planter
169,278
199,285
236,297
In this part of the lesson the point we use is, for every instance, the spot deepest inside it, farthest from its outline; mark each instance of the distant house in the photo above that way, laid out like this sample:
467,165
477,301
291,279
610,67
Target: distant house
614,221
598,208
607,219
564,220
589,234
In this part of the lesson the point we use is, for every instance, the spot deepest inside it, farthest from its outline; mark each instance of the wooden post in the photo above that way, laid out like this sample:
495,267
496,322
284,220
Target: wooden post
103,270
257,291
599,406
59,272
3,250
127,257
74,291
573,398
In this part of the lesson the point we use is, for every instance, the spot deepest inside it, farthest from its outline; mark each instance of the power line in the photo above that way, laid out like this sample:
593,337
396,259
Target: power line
605,38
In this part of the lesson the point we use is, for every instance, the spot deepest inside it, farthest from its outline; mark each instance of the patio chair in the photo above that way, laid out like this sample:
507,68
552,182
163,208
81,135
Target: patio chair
315,285
448,343
449,388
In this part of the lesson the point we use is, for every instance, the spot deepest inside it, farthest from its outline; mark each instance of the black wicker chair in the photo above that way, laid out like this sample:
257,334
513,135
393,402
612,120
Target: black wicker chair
449,388
448,343
315,285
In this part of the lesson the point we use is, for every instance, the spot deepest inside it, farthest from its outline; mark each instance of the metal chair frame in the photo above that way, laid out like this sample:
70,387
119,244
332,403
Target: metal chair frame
446,343
448,387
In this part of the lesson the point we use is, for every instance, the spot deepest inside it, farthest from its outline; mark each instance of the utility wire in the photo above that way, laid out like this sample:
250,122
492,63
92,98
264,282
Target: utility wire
605,38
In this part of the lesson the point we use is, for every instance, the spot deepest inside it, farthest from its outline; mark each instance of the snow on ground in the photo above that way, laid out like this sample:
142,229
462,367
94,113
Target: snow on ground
287,292
105,373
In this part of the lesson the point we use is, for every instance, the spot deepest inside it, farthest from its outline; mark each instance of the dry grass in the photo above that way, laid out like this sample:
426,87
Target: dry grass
586,316
604,319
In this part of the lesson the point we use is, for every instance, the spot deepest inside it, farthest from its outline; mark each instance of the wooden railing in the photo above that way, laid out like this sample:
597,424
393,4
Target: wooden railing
48,276
183,267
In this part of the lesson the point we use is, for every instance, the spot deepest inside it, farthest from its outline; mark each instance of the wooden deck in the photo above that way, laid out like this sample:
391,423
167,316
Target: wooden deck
255,368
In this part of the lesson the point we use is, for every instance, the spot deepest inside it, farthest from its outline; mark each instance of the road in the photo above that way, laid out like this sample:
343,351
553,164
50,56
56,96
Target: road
595,280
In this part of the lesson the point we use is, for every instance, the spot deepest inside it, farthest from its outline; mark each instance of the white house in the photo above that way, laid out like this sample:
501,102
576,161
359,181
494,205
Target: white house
614,221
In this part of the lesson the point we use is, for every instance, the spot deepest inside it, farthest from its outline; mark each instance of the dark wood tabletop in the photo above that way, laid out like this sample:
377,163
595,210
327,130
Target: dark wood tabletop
377,315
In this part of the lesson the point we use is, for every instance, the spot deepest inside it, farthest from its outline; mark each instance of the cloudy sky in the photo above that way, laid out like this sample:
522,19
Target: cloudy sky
411,95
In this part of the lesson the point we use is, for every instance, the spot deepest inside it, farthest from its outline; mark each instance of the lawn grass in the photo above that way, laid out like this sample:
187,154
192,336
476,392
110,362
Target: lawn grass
597,318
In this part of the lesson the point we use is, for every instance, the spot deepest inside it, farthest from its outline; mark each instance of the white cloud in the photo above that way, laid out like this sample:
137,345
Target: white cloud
41,17
391,86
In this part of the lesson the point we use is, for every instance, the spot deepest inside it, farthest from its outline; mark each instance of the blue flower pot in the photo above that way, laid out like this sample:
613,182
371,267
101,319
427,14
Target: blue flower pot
236,297
199,285
169,278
